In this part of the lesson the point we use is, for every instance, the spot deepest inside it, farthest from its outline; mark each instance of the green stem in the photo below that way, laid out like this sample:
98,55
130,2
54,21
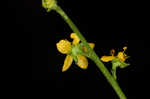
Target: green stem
93,55
113,71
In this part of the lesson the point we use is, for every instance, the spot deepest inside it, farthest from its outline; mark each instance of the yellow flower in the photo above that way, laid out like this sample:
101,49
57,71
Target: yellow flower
121,56
72,51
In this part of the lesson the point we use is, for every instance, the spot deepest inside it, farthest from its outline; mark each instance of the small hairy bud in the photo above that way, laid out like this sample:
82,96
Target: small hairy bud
49,4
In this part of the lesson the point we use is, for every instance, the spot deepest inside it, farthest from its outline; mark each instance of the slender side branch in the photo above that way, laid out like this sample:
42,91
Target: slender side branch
93,55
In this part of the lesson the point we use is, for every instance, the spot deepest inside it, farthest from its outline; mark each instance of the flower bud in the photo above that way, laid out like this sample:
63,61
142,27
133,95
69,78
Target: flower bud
49,4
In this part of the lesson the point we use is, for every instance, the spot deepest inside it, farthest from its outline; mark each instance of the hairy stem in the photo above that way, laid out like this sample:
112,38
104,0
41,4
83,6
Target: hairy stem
93,56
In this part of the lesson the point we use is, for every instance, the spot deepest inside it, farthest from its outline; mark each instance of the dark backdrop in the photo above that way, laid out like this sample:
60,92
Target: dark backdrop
107,24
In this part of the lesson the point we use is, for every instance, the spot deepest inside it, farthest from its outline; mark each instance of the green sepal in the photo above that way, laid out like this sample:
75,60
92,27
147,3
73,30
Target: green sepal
75,59
115,64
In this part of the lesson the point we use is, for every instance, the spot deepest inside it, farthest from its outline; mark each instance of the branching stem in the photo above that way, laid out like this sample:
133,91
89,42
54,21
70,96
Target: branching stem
93,56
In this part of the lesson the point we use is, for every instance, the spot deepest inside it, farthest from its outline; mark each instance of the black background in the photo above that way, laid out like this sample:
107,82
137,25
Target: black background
107,24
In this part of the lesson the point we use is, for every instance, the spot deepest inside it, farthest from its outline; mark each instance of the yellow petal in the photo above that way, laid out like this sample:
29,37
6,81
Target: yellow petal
67,63
64,46
107,58
121,56
75,38
82,62
92,45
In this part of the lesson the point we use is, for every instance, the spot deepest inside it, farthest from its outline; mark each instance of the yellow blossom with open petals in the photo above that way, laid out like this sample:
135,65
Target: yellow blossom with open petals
121,56
71,50
117,61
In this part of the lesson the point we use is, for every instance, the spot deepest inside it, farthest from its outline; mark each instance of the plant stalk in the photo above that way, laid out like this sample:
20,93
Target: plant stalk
93,56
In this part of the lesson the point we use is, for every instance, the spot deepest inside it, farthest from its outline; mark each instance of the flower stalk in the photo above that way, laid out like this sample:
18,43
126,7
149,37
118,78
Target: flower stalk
91,53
